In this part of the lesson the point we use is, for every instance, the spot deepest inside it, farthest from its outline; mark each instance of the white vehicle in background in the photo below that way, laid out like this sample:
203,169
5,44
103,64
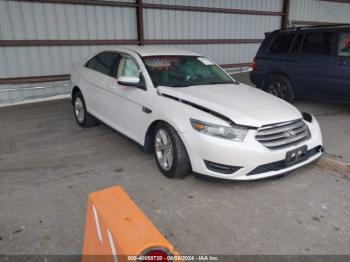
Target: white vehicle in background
192,114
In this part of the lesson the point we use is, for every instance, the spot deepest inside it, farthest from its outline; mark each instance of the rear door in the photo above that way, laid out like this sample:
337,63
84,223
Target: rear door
97,73
340,68
309,64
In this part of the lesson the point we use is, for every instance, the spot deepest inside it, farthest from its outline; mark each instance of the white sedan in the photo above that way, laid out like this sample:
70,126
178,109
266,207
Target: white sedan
192,114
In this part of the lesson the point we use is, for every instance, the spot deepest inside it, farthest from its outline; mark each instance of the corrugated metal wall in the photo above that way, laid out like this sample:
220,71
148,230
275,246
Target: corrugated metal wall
23,20
37,21
176,24
45,21
319,11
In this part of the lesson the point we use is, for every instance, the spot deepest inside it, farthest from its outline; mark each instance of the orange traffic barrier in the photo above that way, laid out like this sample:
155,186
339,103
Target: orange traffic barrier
116,230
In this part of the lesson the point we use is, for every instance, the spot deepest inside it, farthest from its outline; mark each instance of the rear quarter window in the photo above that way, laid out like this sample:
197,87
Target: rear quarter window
281,43
265,44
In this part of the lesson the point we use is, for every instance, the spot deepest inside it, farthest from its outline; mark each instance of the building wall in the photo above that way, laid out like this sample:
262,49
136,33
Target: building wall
175,24
46,21
319,11
26,20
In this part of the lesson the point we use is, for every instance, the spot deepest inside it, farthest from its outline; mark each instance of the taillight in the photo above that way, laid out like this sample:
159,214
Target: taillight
156,254
254,65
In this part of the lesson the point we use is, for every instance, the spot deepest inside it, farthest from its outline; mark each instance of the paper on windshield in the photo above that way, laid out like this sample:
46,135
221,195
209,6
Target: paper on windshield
205,61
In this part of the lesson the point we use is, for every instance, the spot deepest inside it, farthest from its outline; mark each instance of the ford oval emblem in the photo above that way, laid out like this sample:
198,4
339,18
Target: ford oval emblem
290,133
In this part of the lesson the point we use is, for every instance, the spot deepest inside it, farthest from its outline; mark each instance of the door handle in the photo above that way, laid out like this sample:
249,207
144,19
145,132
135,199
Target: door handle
341,62
146,110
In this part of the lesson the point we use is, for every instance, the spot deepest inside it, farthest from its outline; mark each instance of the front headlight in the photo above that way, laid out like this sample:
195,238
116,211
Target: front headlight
236,133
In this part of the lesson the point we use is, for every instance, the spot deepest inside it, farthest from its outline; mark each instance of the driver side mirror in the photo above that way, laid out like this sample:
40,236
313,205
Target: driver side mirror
129,81
132,81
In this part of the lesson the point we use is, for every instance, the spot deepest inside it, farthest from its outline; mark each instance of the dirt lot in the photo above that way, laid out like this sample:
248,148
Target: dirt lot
48,166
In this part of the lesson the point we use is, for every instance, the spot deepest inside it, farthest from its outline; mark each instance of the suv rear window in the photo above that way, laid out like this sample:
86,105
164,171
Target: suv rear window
318,43
281,43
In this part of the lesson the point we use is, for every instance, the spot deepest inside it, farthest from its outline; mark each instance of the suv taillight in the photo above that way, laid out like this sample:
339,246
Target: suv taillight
254,65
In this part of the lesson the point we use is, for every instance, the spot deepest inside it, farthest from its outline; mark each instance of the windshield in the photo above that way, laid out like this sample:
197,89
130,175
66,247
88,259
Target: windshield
181,71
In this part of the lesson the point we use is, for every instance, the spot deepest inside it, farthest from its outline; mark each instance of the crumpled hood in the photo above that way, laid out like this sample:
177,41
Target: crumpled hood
243,104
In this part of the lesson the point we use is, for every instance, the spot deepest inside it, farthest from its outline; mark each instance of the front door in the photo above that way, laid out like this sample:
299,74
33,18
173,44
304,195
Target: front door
125,102
340,68
309,67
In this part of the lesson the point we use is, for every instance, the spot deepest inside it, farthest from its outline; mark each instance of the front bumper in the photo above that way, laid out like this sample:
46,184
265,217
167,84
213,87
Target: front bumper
248,155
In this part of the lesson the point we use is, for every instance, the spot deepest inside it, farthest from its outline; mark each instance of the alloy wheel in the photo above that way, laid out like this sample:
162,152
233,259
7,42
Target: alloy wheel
278,89
79,109
164,149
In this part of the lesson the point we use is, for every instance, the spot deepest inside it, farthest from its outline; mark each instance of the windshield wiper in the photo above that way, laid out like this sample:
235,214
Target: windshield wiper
198,84
219,83
176,85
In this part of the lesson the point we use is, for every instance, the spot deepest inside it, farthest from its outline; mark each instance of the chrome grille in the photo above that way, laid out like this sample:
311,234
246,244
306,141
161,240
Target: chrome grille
283,135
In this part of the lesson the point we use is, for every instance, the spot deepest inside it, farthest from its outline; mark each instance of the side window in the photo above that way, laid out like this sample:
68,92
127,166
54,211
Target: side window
297,44
92,63
281,43
344,44
104,63
128,67
318,43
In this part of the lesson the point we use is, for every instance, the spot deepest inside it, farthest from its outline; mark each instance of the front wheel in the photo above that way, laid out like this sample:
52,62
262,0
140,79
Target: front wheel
281,87
84,119
170,152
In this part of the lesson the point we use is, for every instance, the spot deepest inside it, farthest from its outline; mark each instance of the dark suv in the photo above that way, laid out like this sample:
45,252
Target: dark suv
305,61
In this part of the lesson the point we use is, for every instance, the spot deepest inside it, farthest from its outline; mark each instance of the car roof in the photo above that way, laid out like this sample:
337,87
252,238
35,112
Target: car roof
158,51
313,28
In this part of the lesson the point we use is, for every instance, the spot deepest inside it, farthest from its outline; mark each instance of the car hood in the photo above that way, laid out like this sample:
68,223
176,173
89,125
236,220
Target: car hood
243,104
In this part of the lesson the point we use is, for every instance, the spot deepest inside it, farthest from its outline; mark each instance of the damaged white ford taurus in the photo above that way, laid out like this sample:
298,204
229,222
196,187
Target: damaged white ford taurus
192,114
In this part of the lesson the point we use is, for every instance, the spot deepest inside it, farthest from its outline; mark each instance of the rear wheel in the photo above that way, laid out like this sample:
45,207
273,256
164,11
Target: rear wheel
84,119
170,152
281,87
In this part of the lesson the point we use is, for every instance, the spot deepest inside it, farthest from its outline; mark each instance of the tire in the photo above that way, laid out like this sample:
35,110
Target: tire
180,165
281,87
82,116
